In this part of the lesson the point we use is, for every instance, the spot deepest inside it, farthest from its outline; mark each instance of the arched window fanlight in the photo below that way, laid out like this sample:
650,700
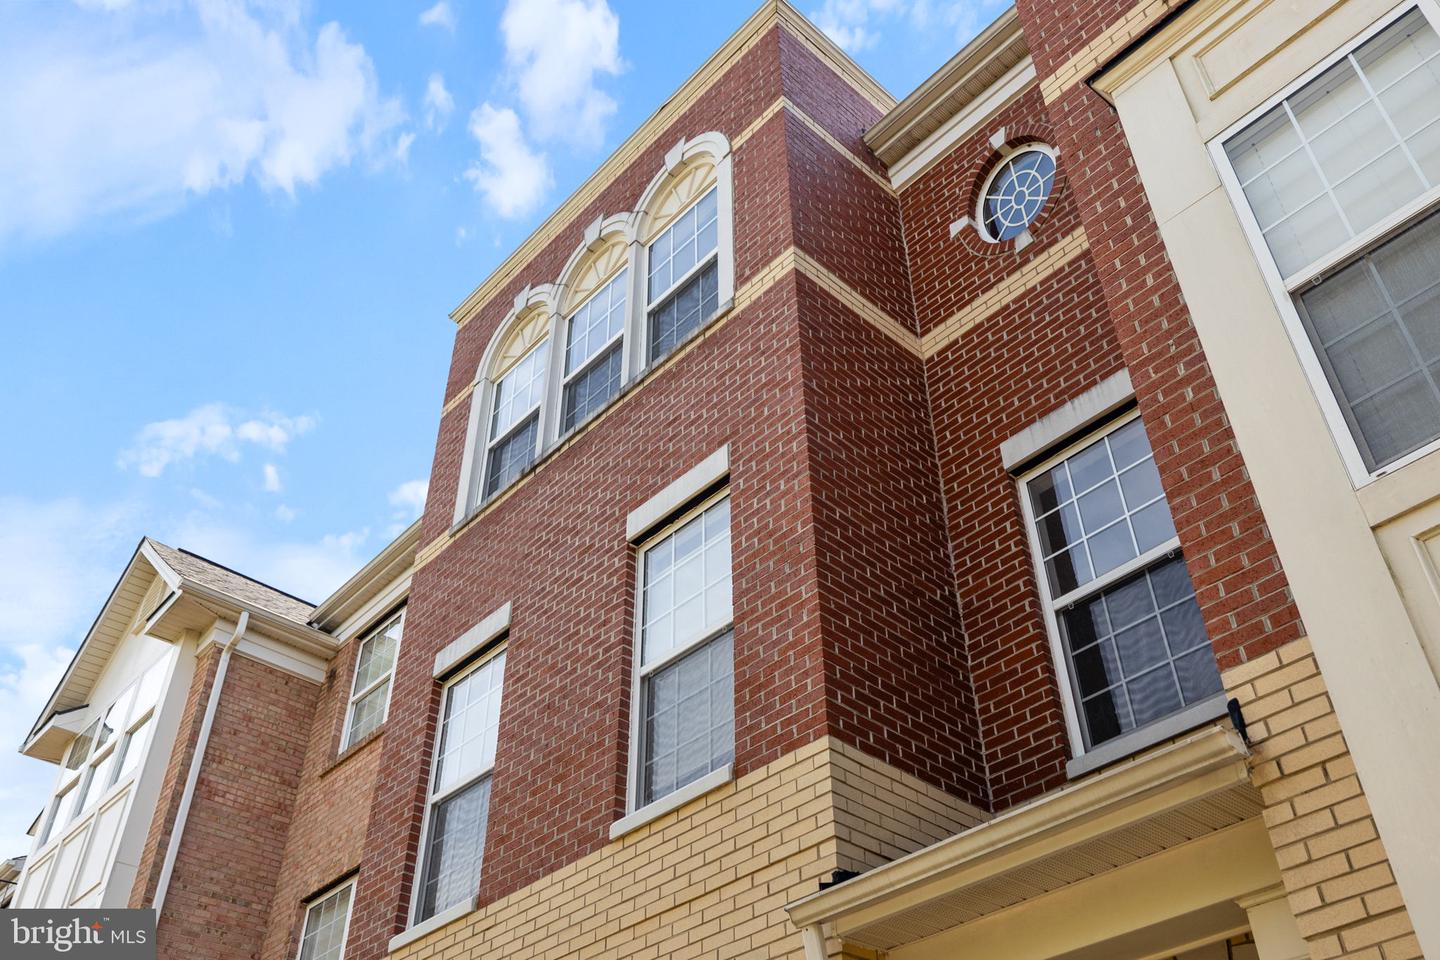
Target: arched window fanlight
1016,192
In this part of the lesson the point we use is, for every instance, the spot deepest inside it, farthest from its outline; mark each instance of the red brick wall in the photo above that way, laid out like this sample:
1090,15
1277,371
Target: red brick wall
1241,588
223,883
331,810
1049,344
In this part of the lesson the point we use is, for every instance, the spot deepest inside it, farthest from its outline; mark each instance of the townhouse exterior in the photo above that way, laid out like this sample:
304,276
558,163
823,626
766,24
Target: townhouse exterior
1001,520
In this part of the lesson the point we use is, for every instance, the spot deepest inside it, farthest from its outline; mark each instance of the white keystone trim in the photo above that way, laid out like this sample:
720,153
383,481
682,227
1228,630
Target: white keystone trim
672,801
681,491
1094,404
462,647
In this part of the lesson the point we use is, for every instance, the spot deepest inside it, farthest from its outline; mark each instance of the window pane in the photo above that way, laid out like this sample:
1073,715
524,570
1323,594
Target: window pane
1376,326
596,323
1119,512
132,749
148,693
689,718
687,583
80,749
518,392
454,849
1018,193
1325,165
367,713
1138,652
686,242
470,724
325,926
510,457
97,780
591,390
377,655
686,310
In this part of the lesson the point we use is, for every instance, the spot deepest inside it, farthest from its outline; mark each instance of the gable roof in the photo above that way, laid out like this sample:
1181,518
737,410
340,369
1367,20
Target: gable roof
196,592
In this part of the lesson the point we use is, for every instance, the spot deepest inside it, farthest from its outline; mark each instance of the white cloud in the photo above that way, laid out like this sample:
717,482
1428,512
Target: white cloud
214,429
58,560
272,478
510,175
128,116
441,15
857,25
438,103
285,513
556,49
411,496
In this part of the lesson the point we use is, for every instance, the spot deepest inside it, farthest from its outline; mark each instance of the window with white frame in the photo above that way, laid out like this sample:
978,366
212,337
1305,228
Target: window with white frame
686,661
1334,182
105,753
593,352
370,688
1016,191
514,437
459,803
1125,623
327,921
682,286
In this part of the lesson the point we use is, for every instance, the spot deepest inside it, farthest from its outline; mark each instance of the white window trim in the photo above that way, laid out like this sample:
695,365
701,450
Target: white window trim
1283,290
635,362
1006,154
433,798
321,897
1051,605
538,411
381,625
561,335
636,812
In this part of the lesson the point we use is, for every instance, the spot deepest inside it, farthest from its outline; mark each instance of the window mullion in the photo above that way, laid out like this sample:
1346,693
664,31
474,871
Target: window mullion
1319,170
1389,122
1100,583
670,656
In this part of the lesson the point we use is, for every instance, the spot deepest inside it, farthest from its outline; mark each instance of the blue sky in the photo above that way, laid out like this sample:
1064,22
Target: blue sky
230,236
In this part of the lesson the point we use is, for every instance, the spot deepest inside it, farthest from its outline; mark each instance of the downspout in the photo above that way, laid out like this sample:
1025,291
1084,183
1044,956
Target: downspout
813,937
172,849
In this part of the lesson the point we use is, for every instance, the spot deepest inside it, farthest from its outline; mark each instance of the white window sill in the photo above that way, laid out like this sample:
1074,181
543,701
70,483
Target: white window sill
1157,732
672,801
430,925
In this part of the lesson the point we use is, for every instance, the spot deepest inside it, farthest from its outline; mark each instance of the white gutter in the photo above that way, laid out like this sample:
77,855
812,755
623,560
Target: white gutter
172,850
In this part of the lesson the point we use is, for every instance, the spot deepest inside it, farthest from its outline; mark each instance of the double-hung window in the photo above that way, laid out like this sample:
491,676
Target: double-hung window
593,353
370,689
1122,612
1336,183
515,419
686,655
682,285
459,803
327,921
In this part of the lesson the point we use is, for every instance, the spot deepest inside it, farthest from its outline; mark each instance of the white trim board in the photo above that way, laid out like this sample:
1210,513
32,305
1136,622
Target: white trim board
462,647
679,492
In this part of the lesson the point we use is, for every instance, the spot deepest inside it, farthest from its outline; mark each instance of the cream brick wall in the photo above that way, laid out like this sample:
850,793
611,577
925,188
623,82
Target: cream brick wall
711,879
1334,865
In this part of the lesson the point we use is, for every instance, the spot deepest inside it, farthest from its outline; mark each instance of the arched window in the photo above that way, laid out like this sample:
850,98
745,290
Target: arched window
595,306
1016,191
636,287
685,227
508,415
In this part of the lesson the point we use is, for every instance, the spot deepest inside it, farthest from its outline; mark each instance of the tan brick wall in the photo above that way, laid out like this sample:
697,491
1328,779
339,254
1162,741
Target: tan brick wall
711,879
1334,865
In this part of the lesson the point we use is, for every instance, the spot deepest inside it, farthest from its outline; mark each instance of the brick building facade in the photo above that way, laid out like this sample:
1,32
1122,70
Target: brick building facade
851,532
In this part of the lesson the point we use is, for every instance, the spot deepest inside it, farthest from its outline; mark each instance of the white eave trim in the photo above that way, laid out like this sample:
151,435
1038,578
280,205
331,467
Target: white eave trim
1206,762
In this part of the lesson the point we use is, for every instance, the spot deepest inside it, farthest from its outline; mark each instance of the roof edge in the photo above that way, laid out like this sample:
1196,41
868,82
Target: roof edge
377,571
995,40
770,13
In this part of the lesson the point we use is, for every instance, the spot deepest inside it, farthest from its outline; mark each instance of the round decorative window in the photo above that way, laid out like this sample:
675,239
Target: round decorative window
1016,192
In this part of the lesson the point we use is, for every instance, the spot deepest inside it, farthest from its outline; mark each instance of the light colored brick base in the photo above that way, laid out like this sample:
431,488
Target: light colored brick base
711,880
1335,868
